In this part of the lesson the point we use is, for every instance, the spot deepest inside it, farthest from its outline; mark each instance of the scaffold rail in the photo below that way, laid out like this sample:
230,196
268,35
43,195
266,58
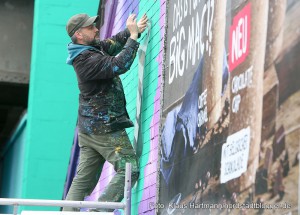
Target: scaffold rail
126,206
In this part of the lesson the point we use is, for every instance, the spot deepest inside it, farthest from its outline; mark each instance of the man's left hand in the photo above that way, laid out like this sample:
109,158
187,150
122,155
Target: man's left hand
142,23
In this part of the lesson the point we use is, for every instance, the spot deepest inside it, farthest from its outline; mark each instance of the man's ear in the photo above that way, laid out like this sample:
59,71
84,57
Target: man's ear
78,35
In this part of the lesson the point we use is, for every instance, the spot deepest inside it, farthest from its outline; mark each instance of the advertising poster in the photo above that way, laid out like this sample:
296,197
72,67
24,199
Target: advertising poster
230,128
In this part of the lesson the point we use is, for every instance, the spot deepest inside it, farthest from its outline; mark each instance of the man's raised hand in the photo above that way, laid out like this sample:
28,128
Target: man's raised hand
132,26
142,23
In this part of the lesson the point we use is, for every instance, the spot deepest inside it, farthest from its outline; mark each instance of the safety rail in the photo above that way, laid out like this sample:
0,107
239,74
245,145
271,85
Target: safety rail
78,204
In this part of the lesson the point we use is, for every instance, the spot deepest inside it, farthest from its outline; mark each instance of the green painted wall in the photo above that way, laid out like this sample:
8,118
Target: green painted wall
53,101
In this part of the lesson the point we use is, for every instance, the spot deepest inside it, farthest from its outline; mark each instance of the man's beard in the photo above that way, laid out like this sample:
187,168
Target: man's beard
94,42
89,42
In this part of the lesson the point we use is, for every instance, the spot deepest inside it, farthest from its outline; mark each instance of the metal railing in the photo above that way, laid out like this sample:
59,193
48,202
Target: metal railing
78,204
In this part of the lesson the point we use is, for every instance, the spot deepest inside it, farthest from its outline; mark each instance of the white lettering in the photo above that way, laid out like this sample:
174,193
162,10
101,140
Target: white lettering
177,56
236,103
172,63
202,99
182,61
184,54
239,41
235,153
202,114
201,27
242,80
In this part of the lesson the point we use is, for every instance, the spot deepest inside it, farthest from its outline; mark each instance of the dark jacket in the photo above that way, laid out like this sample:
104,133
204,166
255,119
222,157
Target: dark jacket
102,104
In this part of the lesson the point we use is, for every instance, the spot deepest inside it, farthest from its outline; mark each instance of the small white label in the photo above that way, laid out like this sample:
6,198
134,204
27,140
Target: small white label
235,154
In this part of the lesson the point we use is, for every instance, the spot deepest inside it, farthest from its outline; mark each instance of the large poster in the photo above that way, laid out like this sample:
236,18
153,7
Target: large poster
230,126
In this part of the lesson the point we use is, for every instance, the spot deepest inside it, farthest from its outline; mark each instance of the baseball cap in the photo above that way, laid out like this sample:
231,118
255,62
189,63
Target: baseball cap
79,20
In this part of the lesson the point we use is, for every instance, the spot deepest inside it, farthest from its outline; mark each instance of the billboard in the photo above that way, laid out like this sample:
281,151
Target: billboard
230,126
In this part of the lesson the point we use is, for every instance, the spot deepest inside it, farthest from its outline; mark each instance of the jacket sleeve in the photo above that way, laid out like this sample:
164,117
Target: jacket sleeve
114,44
92,65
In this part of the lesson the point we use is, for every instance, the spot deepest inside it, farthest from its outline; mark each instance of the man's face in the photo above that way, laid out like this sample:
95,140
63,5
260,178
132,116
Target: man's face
89,34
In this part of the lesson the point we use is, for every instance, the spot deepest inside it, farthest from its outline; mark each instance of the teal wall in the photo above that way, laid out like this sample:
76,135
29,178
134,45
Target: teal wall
13,159
53,101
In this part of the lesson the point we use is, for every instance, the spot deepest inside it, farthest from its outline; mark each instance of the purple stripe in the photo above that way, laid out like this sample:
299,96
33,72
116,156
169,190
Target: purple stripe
125,8
109,19
72,164
106,175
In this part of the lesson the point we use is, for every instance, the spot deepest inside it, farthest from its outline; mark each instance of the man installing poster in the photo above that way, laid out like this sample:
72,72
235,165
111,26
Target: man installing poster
102,115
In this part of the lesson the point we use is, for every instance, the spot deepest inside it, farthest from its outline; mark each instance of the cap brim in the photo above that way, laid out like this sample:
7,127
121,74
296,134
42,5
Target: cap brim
90,21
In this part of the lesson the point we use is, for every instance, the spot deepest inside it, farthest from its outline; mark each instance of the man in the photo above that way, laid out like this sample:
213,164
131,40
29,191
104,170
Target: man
102,114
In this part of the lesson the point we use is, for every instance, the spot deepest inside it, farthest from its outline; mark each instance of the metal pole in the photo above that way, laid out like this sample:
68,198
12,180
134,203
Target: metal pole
127,190
79,204
15,209
62,203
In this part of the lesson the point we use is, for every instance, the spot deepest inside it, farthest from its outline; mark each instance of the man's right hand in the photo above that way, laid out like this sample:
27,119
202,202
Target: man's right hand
132,26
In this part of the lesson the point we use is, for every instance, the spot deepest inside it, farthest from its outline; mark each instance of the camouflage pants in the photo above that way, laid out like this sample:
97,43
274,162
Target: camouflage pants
94,151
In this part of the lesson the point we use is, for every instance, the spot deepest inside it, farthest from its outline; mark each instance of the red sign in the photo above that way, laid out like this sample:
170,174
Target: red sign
239,41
